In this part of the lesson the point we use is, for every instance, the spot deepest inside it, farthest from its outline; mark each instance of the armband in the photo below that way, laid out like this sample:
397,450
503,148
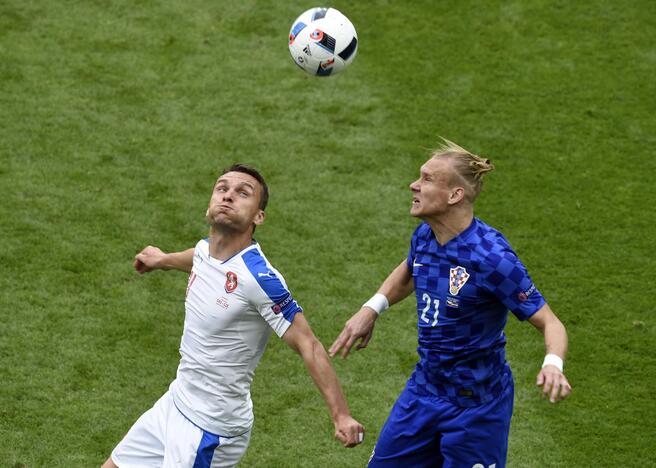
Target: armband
553,360
378,302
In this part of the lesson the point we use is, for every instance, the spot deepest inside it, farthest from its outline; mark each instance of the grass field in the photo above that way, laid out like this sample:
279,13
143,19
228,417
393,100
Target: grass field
115,118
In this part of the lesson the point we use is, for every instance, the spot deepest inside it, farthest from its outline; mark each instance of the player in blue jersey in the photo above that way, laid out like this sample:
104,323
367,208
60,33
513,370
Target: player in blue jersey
456,407
235,300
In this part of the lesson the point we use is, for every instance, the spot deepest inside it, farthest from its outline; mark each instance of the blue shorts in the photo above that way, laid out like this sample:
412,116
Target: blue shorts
426,431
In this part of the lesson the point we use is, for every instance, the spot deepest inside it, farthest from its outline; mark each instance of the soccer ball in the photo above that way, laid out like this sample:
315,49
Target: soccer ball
322,41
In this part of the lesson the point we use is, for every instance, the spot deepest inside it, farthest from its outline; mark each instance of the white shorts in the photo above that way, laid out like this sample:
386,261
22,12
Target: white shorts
164,438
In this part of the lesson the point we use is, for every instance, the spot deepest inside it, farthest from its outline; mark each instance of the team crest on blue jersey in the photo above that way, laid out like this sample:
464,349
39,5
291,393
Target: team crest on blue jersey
457,279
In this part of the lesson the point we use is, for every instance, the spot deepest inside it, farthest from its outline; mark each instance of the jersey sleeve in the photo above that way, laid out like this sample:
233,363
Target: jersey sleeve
274,302
507,278
201,251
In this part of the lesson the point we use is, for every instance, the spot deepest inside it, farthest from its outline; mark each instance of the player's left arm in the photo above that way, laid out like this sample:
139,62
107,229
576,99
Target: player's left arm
551,377
300,338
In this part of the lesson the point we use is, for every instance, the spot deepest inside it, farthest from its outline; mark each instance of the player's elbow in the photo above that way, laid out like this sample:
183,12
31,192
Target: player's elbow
558,329
544,319
311,348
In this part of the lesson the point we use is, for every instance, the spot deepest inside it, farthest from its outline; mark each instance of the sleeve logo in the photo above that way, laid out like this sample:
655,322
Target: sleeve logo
231,282
277,308
523,295
457,279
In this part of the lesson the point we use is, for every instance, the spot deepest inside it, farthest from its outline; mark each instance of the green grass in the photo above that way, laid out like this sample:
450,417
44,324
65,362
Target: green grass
115,118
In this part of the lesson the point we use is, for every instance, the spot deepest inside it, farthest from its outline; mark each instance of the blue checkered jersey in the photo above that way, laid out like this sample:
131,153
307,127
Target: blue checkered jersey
464,290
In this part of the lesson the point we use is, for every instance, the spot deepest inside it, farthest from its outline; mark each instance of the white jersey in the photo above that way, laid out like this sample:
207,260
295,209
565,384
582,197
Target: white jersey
230,310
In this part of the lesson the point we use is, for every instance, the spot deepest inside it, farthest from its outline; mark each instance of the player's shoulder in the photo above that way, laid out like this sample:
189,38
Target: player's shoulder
257,263
254,258
264,276
490,245
202,248
202,245
422,231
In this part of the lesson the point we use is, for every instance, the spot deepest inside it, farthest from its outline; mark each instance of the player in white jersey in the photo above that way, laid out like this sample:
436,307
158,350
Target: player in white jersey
234,299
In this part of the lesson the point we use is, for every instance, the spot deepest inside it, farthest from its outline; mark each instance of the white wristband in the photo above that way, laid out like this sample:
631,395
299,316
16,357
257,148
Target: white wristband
553,360
378,302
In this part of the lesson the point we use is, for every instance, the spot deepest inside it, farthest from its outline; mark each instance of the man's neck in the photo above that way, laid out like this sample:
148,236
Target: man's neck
226,243
450,225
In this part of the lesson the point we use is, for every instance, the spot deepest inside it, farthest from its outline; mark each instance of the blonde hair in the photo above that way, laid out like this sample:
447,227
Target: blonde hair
468,168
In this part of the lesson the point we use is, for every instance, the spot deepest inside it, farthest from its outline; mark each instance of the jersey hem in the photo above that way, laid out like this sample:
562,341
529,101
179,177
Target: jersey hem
205,430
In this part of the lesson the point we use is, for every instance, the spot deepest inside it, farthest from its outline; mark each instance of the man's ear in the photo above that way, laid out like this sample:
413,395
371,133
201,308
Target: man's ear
259,218
457,194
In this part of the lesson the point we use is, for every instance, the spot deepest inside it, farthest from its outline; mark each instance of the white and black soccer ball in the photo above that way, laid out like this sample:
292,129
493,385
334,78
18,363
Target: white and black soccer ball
322,41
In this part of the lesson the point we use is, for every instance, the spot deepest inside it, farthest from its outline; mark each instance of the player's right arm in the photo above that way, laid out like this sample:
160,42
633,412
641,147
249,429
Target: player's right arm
152,258
299,336
396,287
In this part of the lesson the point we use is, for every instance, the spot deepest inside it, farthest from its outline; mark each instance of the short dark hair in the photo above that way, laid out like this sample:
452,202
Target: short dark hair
251,171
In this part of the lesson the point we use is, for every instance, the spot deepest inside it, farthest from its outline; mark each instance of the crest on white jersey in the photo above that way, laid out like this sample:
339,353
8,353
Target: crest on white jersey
457,279
231,282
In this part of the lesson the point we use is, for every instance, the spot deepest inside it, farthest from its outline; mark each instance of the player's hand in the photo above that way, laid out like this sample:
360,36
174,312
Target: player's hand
348,431
148,259
554,384
359,327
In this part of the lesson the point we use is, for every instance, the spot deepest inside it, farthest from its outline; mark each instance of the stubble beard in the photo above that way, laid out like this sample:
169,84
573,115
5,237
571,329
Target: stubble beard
222,223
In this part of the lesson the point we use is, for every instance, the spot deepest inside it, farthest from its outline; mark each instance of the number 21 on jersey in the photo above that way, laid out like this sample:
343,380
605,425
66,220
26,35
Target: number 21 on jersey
431,310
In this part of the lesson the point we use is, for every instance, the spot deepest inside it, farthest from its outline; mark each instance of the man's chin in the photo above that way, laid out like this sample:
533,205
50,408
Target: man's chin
220,222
